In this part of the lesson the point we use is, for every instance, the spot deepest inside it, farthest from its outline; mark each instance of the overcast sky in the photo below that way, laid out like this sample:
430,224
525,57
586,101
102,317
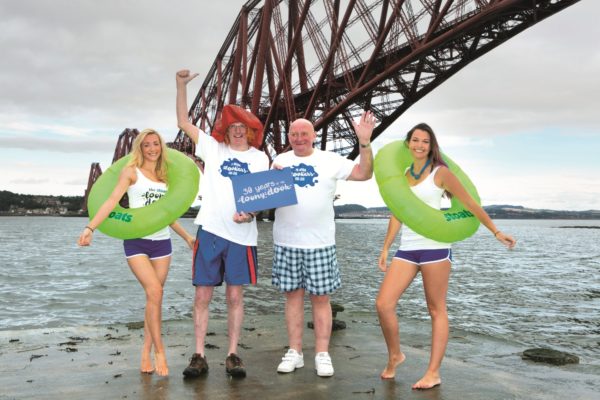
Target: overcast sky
523,121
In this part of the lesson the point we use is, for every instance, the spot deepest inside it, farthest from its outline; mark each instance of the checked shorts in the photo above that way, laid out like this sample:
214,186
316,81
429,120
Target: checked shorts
315,270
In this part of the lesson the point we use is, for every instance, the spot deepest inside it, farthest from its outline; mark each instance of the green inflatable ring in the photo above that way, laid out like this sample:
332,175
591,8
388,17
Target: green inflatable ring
132,223
451,225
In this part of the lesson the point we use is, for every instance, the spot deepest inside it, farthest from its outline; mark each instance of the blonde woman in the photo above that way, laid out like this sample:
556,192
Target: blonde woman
144,180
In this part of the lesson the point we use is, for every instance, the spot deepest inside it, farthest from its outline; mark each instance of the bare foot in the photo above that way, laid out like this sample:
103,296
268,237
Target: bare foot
390,369
146,365
428,381
161,364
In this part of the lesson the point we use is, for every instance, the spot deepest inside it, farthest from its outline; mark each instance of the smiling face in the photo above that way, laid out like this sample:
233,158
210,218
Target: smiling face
237,134
302,136
151,147
419,144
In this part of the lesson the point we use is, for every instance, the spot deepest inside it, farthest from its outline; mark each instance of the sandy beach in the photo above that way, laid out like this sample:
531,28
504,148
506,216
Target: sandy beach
101,362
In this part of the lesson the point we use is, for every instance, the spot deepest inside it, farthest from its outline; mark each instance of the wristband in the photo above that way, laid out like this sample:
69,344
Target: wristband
496,233
87,226
364,146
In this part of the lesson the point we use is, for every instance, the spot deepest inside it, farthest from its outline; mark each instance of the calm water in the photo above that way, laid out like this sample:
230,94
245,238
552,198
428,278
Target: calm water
545,292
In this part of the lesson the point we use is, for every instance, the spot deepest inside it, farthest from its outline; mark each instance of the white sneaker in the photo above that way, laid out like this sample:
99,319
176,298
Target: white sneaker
323,364
290,361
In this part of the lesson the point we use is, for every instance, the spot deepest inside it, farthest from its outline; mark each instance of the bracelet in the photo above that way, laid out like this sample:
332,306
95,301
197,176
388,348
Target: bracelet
87,226
364,146
497,232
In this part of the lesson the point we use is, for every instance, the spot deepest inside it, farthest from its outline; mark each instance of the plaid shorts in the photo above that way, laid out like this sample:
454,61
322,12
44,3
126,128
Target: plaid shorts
315,270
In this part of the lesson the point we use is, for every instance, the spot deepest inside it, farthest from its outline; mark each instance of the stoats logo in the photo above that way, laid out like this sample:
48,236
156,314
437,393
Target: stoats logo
304,175
233,167
119,216
458,215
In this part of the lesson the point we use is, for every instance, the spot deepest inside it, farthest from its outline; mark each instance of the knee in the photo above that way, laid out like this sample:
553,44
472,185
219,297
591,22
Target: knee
202,299
154,294
235,300
437,311
384,305
320,301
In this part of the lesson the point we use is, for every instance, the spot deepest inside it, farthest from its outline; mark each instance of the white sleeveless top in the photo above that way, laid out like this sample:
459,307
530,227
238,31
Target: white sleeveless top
431,195
144,192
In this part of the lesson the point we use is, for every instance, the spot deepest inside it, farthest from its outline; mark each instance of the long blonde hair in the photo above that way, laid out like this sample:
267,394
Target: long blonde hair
137,156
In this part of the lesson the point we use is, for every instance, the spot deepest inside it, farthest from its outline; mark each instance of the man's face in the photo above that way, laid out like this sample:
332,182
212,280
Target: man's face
237,134
302,136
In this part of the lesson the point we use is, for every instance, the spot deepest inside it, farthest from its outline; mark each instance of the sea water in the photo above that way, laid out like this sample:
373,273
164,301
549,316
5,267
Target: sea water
545,292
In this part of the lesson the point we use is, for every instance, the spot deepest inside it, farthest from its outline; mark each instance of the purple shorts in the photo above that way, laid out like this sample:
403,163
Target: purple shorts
153,249
421,257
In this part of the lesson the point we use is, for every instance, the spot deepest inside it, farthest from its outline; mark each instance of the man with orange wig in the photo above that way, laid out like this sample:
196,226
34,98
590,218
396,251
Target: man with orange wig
226,241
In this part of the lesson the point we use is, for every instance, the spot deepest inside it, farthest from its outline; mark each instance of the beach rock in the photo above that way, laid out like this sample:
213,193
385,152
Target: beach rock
336,325
336,308
549,356
135,325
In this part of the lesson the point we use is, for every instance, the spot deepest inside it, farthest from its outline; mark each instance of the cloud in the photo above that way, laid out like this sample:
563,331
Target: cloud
58,145
30,181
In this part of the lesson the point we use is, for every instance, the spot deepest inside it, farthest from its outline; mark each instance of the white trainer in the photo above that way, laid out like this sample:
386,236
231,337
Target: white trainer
290,361
323,364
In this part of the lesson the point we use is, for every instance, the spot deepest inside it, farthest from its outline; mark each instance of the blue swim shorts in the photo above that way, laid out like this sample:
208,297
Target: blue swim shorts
315,270
217,259
421,257
153,249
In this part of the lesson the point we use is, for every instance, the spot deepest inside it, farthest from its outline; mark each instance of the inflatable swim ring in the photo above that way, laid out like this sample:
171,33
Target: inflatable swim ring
131,223
451,225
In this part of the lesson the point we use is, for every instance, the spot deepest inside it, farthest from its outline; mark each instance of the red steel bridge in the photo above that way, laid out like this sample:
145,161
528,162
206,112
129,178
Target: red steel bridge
328,60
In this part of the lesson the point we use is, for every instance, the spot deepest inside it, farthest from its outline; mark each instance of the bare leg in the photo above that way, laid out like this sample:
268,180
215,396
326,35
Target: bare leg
294,317
146,363
435,283
152,276
322,319
398,277
235,316
202,299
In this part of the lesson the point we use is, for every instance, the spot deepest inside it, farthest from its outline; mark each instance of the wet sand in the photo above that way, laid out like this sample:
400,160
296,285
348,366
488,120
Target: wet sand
102,362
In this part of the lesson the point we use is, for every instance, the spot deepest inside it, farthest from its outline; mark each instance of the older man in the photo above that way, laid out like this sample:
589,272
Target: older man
304,257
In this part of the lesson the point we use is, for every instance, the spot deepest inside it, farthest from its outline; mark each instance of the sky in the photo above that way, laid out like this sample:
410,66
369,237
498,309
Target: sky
522,121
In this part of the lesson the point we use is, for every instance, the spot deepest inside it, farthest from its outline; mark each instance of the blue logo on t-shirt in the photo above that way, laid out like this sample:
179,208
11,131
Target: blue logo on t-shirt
304,175
234,167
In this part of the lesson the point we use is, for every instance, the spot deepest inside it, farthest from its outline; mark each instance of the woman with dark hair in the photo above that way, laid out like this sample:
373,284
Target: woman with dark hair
144,179
430,179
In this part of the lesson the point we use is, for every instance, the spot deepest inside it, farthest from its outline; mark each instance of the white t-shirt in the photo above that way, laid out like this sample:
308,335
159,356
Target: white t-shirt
145,192
218,203
431,195
310,223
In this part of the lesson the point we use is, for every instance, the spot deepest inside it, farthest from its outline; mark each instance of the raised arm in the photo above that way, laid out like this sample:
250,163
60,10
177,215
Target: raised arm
451,183
394,226
126,178
364,129
182,78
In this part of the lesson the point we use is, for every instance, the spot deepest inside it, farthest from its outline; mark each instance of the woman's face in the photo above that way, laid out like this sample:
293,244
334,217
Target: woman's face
151,148
419,144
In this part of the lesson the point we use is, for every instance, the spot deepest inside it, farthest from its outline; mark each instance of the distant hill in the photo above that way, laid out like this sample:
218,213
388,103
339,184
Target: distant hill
27,204
495,211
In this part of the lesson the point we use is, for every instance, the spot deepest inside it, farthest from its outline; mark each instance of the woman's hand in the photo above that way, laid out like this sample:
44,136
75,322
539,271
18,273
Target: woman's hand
191,241
85,239
506,240
382,264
